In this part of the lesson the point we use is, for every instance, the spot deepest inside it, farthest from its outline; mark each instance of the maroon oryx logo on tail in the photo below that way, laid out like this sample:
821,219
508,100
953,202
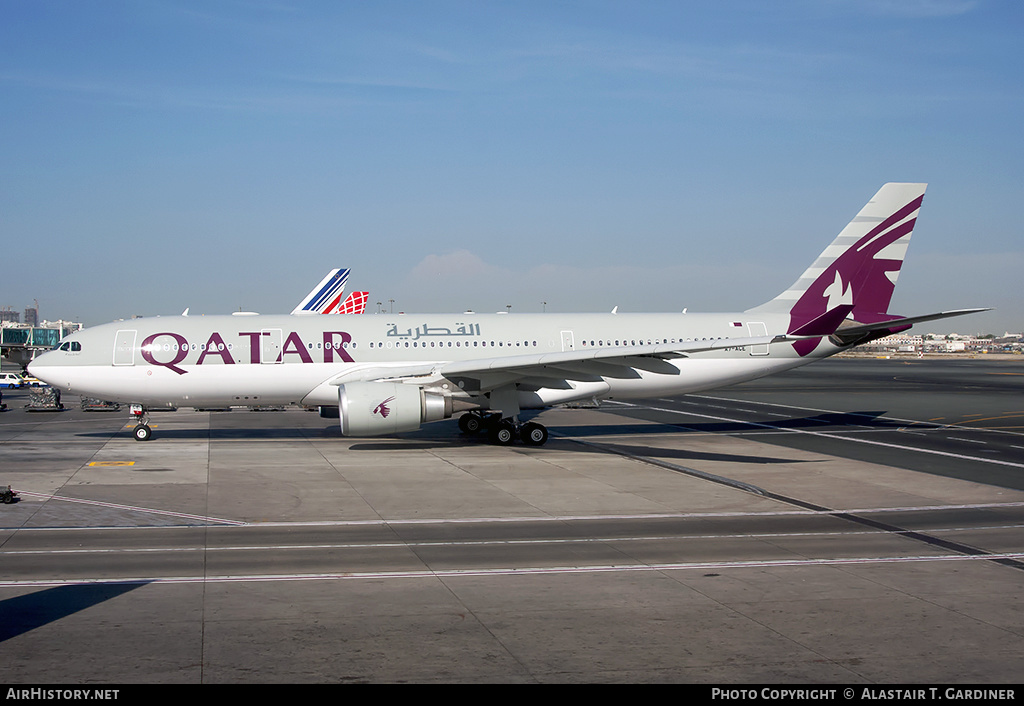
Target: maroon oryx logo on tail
854,278
382,409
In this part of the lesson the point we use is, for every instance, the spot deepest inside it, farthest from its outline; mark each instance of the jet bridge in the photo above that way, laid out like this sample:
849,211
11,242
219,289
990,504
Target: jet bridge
20,344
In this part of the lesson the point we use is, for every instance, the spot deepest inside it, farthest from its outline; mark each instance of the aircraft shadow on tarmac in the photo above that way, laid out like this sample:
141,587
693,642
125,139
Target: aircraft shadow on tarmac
835,420
443,436
23,614
205,434
440,434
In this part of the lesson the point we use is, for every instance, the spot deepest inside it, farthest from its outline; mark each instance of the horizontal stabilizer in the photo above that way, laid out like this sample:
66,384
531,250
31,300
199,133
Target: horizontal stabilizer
903,322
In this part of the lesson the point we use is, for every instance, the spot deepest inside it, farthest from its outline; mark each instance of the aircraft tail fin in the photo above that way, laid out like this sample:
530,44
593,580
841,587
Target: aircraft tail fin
855,276
354,304
324,294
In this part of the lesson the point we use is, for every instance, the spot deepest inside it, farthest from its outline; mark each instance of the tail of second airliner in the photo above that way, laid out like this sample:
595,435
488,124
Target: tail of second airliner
855,276
325,294
354,304
326,297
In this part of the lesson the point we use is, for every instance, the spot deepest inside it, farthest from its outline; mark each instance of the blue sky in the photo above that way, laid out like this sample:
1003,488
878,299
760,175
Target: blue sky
224,154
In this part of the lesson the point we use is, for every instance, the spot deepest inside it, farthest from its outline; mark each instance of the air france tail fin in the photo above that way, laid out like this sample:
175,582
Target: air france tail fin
325,294
855,276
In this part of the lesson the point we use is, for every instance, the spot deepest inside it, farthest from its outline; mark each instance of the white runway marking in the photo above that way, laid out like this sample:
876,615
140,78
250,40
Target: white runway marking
225,524
484,542
835,411
871,442
507,571
133,508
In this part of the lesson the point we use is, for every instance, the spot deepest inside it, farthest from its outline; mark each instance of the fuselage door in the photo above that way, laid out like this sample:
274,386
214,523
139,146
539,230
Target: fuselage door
124,347
757,328
567,343
270,346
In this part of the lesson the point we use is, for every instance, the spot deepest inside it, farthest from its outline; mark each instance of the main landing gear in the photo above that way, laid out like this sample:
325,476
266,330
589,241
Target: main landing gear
503,431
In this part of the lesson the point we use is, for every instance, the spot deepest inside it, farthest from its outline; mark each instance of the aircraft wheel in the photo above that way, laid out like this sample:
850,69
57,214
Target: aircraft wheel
471,423
142,432
503,434
534,434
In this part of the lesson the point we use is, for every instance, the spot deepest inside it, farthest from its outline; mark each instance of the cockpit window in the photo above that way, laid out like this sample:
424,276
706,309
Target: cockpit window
73,346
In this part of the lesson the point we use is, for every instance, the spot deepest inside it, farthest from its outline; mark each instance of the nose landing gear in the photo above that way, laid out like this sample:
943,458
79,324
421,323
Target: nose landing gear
141,431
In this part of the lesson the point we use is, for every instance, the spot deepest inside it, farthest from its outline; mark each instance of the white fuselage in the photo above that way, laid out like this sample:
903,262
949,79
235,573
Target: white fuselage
253,359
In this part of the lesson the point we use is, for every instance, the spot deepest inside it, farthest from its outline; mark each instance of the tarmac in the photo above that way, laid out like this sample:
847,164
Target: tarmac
854,522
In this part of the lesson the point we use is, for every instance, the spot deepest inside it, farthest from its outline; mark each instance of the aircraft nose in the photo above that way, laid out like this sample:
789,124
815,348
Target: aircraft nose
38,365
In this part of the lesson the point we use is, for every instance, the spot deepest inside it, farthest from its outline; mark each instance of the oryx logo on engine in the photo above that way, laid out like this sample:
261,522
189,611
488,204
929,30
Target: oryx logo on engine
382,409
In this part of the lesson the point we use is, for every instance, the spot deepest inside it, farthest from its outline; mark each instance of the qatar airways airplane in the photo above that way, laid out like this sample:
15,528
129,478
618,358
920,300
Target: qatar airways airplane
388,374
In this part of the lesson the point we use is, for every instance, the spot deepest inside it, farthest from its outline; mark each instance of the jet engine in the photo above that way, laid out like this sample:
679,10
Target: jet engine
376,408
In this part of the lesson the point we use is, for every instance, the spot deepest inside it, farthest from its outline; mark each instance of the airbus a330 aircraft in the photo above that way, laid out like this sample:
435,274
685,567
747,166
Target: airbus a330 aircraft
388,374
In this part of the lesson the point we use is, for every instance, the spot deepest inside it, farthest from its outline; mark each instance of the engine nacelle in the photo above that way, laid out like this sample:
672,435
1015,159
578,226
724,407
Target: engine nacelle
376,408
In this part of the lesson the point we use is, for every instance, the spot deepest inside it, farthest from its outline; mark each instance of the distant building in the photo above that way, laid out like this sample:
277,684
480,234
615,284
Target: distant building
9,317
66,327
899,341
32,316
20,343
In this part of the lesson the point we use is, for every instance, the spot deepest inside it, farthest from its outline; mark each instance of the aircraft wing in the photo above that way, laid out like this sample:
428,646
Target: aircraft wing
585,365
